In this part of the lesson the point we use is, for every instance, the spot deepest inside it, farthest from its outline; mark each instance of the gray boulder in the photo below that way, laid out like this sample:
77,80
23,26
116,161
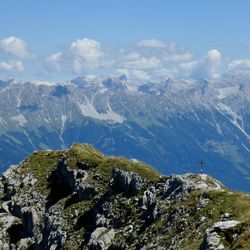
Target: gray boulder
101,238
212,239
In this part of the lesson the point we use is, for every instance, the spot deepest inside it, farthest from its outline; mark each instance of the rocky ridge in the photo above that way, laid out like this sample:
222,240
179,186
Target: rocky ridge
80,199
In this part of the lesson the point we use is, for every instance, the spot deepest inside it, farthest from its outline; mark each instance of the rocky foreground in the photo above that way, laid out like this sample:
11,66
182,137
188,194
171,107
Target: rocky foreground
80,199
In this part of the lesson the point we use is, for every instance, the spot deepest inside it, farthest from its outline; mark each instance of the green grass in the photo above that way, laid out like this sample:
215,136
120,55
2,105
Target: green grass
84,153
41,164
108,164
220,202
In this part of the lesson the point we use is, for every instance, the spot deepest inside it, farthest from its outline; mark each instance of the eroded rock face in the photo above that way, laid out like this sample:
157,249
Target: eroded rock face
29,219
34,218
149,205
128,182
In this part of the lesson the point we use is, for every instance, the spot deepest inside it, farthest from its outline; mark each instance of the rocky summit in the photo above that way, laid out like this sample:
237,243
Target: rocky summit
80,199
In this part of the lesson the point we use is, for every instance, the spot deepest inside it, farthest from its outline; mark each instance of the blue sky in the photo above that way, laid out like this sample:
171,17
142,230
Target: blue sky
143,39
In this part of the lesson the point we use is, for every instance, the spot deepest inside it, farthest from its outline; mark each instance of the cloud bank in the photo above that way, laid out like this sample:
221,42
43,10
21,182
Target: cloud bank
146,60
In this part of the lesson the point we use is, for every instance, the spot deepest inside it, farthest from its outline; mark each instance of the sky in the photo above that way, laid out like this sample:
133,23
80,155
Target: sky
144,39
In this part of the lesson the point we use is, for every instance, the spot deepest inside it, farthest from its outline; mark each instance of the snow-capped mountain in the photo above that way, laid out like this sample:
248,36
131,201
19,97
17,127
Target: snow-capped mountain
171,125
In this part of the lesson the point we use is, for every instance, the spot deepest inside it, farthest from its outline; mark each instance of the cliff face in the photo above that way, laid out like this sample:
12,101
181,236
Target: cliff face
80,199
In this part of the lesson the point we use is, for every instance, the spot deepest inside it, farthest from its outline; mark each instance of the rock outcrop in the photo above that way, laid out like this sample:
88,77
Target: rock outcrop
128,182
101,238
213,240
80,199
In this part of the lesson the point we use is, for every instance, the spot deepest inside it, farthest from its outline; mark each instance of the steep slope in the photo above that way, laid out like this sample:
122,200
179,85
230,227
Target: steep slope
80,199
171,125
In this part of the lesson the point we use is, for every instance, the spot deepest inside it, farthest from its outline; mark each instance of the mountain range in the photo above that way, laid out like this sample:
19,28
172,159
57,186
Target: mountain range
171,124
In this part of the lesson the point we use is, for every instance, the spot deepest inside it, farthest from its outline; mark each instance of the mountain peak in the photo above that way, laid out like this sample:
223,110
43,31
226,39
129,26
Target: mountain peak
79,198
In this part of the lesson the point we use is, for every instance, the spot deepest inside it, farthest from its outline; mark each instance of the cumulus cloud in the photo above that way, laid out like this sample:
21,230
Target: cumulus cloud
142,62
86,52
78,57
134,74
132,56
178,57
15,46
122,71
206,67
54,61
154,57
140,75
165,73
12,66
239,65
152,43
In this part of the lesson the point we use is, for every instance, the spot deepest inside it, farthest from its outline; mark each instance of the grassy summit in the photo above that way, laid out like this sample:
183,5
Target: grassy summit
42,163
77,191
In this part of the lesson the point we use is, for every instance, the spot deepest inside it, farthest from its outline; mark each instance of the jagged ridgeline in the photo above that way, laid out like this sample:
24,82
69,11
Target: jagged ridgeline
80,199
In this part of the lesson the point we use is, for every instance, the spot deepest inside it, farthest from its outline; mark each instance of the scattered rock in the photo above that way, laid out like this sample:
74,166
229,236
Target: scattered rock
178,186
101,238
212,239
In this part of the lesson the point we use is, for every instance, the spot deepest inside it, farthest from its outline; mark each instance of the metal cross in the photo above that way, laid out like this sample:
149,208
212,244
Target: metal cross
202,164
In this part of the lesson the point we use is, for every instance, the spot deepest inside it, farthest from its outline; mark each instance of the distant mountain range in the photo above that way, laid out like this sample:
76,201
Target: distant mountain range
170,125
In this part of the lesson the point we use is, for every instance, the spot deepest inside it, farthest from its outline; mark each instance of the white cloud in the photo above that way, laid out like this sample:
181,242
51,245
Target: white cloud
79,57
178,57
132,56
15,46
86,51
54,61
78,65
122,71
165,73
134,74
239,65
156,58
206,67
140,75
146,60
143,63
12,66
188,66
152,43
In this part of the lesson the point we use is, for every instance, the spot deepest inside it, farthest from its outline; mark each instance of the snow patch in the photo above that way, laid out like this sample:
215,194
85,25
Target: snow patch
247,149
3,122
89,110
63,120
232,116
46,120
20,119
225,92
